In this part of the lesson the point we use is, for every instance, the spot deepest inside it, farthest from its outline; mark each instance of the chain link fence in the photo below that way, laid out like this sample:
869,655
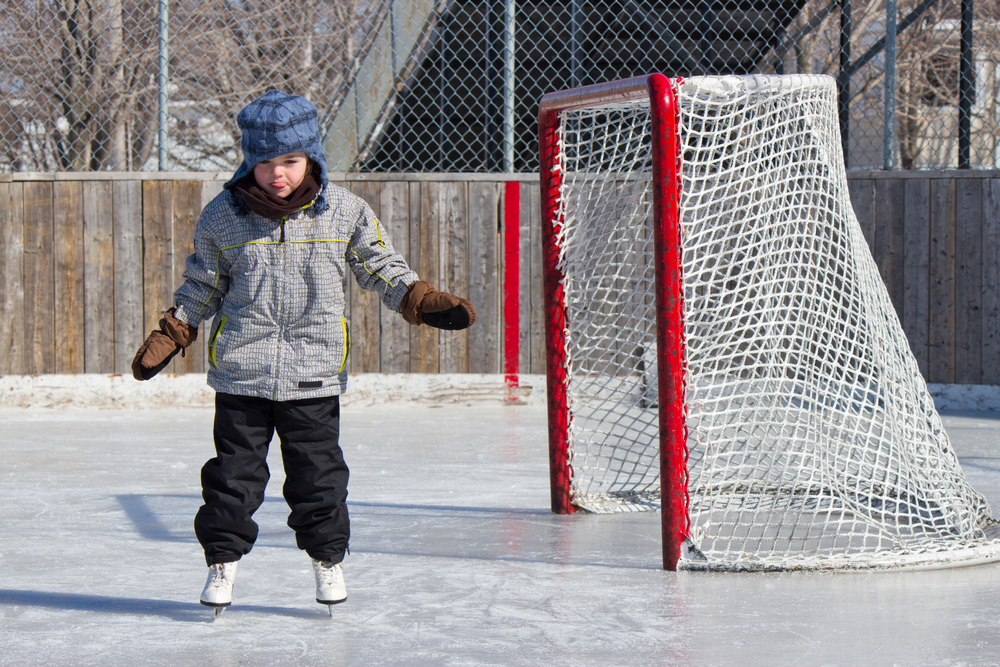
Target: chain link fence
453,85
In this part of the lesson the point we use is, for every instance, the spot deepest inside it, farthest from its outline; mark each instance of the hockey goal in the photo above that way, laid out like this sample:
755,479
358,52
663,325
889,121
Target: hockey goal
720,344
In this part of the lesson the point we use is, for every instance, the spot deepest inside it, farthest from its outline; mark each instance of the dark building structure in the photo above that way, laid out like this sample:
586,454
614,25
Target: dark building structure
448,114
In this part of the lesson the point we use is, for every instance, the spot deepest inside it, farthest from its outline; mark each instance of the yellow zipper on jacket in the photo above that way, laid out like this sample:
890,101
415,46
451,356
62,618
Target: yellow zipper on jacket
347,343
215,339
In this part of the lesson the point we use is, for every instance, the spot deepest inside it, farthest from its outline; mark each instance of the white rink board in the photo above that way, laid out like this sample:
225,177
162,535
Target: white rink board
456,560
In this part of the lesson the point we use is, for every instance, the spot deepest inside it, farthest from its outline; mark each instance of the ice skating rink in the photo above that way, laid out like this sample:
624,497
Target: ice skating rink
456,560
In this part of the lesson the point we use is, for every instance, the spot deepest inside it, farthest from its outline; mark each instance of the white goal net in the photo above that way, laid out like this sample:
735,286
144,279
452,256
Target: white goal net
812,440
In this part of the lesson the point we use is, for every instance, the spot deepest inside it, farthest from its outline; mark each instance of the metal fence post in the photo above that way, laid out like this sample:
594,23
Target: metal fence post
445,98
889,126
508,86
161,85
574,44
706,26
966,88
844,79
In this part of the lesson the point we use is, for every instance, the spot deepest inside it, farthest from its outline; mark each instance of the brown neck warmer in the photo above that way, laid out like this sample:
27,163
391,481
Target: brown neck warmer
271,207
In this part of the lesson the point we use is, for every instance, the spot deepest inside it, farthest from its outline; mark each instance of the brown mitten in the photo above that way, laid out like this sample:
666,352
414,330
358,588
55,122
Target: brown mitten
162,345
425,305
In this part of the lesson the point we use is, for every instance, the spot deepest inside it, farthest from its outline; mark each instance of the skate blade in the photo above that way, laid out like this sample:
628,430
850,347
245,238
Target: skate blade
217,609
329,604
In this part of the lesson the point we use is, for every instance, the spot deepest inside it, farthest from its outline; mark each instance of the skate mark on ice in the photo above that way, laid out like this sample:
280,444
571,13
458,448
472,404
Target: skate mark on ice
448,509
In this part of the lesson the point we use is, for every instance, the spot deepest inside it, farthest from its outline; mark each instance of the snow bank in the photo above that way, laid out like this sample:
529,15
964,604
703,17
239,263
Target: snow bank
965,397
190,390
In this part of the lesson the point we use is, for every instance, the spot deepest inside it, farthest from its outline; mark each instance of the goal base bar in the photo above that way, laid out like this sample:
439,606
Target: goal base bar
894,561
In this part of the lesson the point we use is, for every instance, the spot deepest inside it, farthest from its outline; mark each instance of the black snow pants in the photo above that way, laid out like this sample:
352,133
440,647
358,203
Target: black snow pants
315,476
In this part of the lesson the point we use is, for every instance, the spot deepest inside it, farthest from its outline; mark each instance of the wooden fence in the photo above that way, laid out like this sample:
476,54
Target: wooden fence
89,261
936,239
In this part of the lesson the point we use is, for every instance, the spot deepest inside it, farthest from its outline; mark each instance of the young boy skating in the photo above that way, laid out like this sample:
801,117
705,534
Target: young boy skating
270,256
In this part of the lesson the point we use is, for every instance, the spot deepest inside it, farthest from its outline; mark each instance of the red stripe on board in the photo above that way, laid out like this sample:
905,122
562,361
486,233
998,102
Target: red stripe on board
511,284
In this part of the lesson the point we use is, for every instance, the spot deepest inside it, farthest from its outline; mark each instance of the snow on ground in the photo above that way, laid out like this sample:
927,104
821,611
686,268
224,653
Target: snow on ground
178,391
456,559
190,391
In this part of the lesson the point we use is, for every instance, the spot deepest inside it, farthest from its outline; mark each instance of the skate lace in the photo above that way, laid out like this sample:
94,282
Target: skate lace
219,578
329,572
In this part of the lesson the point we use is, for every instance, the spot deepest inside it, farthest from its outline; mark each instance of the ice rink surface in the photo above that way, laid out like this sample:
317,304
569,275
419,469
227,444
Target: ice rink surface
456,560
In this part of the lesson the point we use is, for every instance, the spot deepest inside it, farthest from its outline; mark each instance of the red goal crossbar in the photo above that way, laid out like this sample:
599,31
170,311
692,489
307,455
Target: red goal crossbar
668,294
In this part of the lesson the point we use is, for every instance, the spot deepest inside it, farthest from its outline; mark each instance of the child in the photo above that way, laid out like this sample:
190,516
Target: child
269,262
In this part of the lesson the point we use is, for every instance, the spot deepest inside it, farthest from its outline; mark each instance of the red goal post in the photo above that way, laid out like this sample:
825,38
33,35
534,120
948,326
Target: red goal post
669,293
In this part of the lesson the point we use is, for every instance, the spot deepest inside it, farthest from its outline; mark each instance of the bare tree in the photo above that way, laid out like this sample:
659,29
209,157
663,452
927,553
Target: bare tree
79,76
76,82
927,65
244,50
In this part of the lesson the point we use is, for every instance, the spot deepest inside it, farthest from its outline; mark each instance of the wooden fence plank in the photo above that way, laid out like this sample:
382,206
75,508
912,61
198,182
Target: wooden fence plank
39,291
98,277
187,204
862,193
157,252
453,206
11,279
968,280
423,258
365,305
484,277
889,220
991,282
916,263
941,321
531,193
67,247
209,191
129,329
395,334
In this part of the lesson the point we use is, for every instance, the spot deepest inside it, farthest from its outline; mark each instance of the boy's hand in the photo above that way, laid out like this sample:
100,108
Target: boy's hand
425,305
161,346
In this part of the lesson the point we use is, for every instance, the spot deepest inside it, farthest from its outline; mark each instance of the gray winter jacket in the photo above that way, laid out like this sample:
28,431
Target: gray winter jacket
277,288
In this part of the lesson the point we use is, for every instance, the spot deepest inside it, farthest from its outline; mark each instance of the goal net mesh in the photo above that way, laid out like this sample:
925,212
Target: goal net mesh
812,439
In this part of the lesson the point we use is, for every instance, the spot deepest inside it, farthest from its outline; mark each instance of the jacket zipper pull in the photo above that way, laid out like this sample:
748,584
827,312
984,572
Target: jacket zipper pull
281,239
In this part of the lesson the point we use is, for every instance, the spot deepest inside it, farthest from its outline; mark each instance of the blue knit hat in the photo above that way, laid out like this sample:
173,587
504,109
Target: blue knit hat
277,124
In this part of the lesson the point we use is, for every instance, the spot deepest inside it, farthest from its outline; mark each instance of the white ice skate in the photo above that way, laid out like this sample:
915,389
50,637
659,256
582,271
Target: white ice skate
330,588
218,591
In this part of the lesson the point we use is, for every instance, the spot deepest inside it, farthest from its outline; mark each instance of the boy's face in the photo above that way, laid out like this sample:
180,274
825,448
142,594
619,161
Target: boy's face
281,176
